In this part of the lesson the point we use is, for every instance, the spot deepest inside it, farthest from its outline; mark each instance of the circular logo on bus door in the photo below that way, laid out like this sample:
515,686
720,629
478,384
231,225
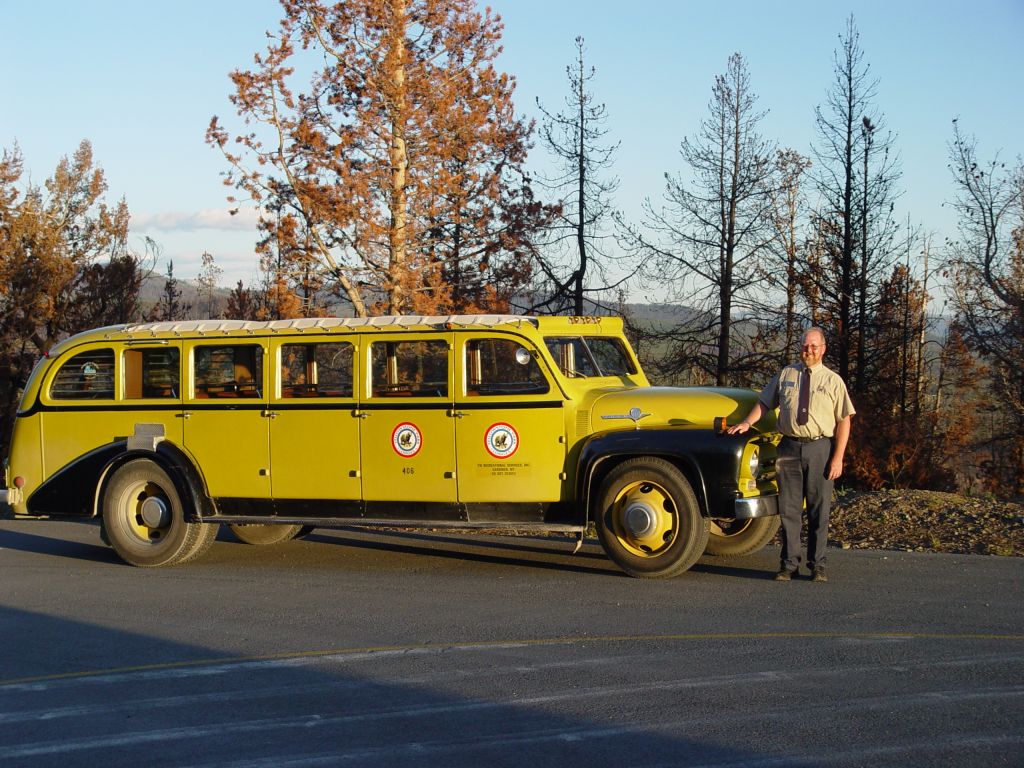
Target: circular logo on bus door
501,440
406,439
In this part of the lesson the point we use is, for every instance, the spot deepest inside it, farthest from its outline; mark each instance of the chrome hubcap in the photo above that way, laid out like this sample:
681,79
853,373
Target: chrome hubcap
639,520
155,512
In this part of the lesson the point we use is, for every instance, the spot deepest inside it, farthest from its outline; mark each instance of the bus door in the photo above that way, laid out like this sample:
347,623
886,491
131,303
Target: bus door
510,427
227,420
314,424
407,431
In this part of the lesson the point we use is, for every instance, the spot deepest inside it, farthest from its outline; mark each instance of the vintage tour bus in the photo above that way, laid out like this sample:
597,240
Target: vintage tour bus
164,431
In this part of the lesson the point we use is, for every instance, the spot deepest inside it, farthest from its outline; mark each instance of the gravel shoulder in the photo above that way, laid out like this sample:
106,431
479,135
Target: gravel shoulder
927,521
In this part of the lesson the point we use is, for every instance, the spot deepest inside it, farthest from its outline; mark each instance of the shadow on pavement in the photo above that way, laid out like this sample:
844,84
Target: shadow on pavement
90,695
539,552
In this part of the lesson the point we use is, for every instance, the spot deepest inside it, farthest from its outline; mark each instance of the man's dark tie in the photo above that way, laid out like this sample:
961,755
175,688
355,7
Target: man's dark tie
805,397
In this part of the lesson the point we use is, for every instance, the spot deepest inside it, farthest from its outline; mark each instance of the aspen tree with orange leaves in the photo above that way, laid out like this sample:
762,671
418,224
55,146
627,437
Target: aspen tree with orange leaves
65,264
379,138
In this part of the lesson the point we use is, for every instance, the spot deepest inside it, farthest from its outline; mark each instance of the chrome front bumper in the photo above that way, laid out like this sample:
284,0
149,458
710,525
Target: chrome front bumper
756,506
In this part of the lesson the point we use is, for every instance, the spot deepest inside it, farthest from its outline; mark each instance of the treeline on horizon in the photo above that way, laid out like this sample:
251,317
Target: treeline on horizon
379,141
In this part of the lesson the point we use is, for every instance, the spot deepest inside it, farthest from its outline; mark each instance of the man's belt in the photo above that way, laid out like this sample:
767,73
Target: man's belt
806,439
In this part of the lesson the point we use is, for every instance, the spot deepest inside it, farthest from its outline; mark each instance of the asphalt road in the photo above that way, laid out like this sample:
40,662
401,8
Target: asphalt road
399,649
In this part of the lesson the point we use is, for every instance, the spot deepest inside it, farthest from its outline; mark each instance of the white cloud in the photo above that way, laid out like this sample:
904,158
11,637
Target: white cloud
208,218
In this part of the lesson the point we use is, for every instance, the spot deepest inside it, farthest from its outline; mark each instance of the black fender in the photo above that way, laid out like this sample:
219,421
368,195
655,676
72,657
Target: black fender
76,489
188,482
710,461
66,493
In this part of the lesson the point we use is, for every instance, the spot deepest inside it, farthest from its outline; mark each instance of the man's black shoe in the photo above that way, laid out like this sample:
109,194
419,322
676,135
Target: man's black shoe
784,575
818,574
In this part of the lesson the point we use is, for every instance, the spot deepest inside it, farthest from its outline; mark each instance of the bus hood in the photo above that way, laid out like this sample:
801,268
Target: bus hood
670,406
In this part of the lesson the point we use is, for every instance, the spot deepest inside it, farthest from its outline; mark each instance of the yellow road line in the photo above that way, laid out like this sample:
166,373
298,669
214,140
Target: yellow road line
484,644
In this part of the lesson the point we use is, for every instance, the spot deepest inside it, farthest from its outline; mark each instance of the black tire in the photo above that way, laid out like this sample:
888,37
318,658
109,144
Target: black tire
263,535
207,536
648,519
734,538
144,519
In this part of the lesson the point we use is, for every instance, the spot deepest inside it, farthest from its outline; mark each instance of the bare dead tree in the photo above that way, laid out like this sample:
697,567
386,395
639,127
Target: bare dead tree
576,248
856,172
986,264
789,218
711,233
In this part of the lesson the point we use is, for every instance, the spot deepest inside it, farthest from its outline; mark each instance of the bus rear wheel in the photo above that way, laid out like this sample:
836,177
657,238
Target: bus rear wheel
734,538
260,534
737,538
144,519
648,519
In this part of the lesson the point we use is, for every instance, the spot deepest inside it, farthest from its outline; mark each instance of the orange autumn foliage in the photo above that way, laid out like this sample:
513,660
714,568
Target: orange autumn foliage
380,140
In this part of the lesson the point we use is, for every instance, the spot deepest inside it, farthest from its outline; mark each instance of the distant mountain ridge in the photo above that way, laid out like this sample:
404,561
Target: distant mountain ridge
152,290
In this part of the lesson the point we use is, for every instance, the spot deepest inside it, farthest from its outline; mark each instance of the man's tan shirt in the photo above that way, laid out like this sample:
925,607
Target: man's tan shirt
829,404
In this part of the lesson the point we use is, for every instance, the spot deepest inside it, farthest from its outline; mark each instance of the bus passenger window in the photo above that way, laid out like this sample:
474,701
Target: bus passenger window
151,373
409,368
228,371
316,370
502,367
86,376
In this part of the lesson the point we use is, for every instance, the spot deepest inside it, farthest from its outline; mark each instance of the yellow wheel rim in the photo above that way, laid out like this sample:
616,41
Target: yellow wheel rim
644,519
147,512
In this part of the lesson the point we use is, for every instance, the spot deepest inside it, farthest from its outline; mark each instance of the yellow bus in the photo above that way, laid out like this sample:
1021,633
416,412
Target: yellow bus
166,430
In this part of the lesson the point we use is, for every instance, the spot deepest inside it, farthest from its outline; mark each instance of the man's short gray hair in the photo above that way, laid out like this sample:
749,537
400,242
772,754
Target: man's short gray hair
819,331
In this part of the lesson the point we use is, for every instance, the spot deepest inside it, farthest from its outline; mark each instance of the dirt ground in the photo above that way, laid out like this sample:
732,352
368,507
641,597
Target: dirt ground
927,521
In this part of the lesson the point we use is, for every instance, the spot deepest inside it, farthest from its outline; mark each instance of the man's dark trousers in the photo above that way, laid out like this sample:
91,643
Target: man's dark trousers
802,469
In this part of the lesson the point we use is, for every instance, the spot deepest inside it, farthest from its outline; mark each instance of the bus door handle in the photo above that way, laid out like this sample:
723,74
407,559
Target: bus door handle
361,414
184,415
457,414
269,414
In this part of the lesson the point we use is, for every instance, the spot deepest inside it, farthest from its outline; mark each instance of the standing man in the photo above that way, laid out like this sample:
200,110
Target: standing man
814,418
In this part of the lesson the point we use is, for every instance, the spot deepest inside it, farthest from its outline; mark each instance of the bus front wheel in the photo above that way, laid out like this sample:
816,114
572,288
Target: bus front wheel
648,519
144,519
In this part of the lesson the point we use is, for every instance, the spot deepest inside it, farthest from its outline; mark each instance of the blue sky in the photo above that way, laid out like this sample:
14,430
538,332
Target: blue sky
141,81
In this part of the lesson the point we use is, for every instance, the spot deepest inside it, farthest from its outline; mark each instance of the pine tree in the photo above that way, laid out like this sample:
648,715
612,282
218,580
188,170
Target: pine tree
169,306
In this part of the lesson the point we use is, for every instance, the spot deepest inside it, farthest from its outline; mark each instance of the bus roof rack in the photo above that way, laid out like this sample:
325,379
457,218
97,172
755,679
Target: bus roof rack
320,323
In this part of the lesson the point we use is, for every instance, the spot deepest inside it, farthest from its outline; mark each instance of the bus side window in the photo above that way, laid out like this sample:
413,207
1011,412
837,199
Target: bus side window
151,373
502,367
228,371
316,370
86,376
409,368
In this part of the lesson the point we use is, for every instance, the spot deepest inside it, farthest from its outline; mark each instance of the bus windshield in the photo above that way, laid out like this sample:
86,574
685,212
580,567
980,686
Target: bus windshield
590,356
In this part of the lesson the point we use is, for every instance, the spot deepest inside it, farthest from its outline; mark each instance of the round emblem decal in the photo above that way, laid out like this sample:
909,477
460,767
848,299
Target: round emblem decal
501,440
406,439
